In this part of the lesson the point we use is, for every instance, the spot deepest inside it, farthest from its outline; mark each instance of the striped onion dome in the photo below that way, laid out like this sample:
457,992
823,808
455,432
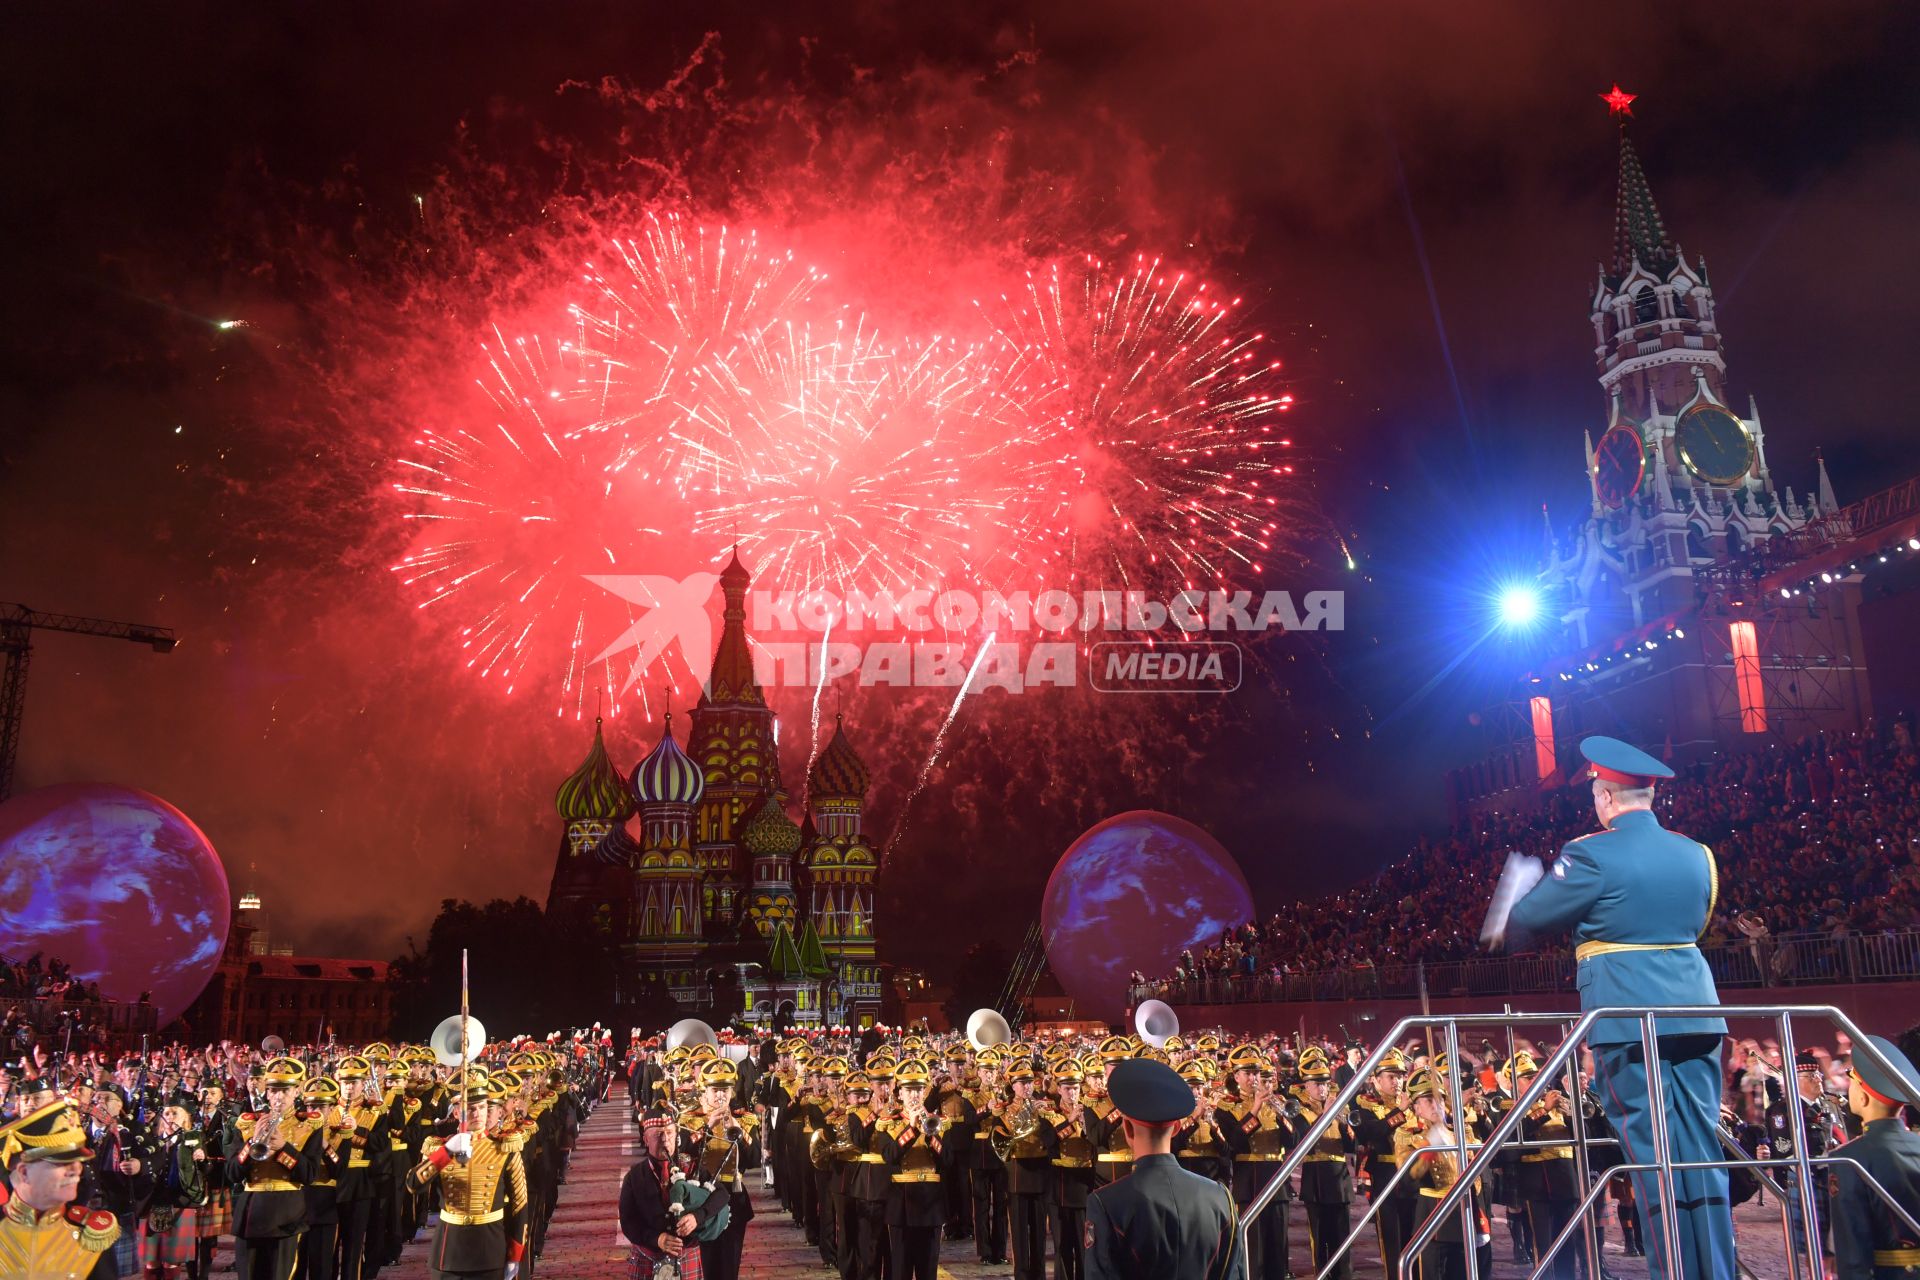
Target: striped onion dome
668,775
838,773
770,833
596,789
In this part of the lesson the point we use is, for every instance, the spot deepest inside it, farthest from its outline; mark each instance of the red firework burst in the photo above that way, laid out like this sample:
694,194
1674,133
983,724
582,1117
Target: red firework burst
1161,462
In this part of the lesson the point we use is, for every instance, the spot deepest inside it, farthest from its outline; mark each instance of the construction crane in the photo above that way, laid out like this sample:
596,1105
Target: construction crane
17,625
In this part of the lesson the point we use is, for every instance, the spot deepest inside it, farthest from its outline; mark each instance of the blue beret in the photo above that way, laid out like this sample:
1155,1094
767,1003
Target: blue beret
1904,1087
1620,762
1150,1092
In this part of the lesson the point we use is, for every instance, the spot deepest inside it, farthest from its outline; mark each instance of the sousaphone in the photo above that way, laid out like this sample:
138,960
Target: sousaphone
985,1027
1155,1022
450,1048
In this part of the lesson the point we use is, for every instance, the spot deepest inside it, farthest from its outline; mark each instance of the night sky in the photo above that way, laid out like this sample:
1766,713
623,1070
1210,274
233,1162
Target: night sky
1411,198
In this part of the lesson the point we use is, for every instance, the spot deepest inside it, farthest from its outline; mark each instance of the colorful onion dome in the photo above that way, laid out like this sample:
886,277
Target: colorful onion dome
668,775
596,790
770,833
838,773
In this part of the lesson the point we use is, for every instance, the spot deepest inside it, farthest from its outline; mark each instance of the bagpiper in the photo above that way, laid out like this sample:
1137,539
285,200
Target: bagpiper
170,1228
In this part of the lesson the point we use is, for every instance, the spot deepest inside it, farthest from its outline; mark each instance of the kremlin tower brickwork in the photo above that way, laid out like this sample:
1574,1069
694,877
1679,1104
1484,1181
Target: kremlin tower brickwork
719,877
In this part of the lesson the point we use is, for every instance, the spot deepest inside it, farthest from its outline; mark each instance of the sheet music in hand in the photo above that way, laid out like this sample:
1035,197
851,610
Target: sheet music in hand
1517,880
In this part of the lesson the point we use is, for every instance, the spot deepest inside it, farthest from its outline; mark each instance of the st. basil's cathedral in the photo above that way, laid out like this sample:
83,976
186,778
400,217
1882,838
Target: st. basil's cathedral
719,877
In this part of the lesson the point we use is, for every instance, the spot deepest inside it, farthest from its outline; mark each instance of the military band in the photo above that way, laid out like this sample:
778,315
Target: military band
327,1164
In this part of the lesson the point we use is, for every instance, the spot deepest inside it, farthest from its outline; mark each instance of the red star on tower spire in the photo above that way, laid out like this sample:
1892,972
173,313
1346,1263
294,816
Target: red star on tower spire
1619,101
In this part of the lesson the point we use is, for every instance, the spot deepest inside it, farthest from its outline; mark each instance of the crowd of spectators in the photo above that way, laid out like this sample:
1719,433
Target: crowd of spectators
30,979
1819,836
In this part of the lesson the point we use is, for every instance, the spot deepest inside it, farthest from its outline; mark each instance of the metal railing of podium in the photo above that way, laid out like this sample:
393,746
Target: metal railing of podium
1473,1157
1782,960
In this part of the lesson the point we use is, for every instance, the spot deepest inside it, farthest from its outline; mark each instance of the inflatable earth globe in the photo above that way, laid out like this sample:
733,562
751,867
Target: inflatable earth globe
1131,894
119,884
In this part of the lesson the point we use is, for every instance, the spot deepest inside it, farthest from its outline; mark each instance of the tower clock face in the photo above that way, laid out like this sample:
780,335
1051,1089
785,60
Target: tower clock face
1619,462
1714,444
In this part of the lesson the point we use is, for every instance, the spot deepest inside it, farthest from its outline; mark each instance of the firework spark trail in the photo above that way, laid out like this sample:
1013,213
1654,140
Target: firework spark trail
933,754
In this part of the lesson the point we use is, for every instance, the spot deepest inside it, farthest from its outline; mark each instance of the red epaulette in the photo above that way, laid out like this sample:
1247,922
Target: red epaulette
92,1219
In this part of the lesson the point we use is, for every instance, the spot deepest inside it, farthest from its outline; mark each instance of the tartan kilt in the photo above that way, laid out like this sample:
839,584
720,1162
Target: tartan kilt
215,1217
640,1264
176,1245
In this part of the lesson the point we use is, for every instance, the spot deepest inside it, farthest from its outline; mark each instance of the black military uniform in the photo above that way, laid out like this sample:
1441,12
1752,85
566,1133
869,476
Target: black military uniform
1257,1136
1074,1178
271,1156
1378,1115
1548,1174
824,1150
320,1243
1028,1144
987,1173
918,1163
1326,1183
960,1131
723,1152
1432,1169
369,1151
803,1118
1161,1221
1198,1144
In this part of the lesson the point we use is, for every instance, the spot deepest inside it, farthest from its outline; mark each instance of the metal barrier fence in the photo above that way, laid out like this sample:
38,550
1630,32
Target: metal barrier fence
1559,1071
45,1015
1787,960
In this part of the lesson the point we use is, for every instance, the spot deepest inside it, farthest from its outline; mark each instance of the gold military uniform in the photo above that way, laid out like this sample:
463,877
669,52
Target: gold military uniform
64,1244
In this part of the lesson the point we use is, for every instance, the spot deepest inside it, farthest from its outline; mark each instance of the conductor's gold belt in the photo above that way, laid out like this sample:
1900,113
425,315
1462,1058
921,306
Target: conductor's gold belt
271,1184
1896,1257
1264,1157
1115,1157
917,1175
1436,1193
1588,950
1547,1153
454,1218
1326,1159
1067,1162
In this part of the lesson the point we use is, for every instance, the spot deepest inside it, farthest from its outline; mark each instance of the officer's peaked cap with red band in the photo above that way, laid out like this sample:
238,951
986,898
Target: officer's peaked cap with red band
1612,760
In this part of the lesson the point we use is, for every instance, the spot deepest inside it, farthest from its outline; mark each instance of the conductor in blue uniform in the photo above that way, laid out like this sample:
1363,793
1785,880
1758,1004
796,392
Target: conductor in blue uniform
1638,897
1159,1221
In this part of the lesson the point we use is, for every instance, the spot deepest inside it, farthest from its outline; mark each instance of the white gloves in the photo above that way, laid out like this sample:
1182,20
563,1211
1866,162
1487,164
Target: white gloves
461,1146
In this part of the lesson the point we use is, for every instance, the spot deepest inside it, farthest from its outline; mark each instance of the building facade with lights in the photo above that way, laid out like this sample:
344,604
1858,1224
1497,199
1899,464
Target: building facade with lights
719,889
1696,605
